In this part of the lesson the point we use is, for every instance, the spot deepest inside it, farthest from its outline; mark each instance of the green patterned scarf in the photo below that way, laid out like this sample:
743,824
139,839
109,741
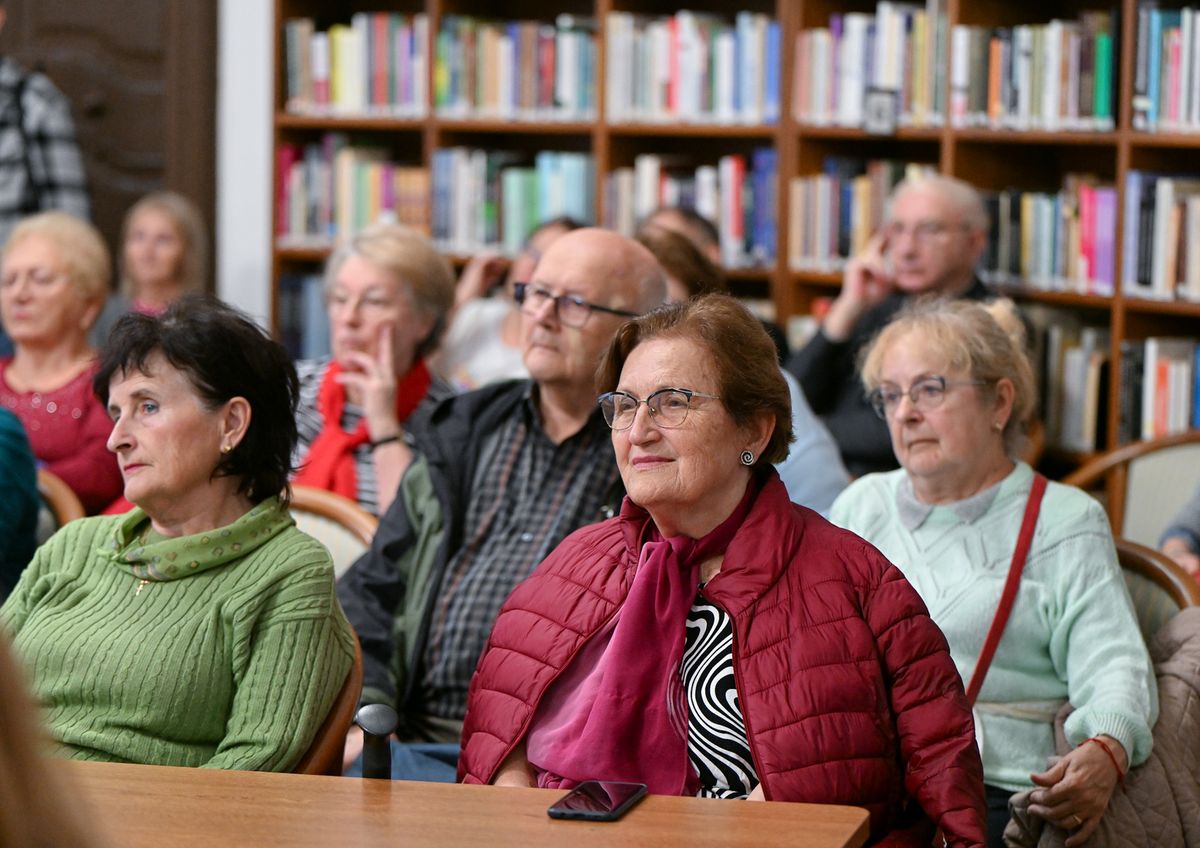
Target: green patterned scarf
152,556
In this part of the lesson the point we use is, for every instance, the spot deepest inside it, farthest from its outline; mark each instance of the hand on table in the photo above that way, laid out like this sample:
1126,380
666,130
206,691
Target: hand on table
1075,790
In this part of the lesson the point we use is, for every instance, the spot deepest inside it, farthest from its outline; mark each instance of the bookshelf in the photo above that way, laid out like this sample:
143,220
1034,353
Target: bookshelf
993,158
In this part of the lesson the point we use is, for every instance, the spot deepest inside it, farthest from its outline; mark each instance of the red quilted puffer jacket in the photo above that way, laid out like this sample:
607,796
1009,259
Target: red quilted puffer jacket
846,685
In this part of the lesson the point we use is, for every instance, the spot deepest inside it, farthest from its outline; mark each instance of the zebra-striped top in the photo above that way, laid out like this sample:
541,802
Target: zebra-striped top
718,748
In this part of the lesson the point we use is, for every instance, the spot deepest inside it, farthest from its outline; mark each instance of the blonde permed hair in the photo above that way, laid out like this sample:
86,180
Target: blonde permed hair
986,341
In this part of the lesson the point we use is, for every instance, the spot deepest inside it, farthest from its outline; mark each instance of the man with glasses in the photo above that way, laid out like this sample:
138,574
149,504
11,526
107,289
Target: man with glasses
501,475
934,232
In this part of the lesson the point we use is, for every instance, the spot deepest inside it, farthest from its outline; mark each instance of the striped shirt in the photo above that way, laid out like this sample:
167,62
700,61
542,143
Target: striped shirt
718,747
527,496
309,423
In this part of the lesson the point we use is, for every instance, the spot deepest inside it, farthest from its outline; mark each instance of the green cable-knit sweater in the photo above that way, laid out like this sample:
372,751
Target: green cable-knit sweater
224,649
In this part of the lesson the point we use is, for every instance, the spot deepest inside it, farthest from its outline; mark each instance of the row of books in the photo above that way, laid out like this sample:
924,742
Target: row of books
738,195
330,188
1054,76
529,70
898,53
692,67
1063,241
1158,393
376,65
834,213
484,199
1166,89
1161,241
303,318
1075,385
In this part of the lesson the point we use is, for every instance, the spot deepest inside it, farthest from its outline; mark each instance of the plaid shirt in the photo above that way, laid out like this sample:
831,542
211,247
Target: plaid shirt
528,495
40,166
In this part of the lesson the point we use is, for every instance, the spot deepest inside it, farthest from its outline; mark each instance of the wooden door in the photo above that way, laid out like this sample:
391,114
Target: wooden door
141,78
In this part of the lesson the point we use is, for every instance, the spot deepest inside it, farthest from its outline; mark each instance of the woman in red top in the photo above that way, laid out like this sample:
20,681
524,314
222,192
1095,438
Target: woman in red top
388,293
53,281
715,638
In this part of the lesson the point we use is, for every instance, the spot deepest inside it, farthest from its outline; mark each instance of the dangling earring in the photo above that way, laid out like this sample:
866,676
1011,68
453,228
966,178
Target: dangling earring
747,457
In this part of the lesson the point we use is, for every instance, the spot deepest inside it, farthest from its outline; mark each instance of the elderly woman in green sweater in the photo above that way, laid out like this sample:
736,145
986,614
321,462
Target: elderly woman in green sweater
201,628
956,390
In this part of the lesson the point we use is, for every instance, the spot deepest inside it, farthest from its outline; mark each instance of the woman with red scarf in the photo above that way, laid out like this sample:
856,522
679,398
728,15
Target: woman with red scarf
388,293
716,639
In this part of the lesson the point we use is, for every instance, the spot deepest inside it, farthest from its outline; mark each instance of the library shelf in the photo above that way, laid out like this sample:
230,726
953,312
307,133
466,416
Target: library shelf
347,123
677,129
1040,137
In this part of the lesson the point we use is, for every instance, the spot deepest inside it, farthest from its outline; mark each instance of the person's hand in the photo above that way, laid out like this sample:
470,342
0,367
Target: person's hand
373,379
757,794
1075,790
866,282
484,271
1179,550
354,746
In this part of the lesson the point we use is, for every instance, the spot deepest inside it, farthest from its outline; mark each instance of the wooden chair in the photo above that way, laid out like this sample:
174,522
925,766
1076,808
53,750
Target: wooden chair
1158,586
324,755
60,504
1147,483
337,522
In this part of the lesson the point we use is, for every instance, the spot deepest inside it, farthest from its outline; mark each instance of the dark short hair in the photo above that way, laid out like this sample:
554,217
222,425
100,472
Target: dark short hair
748,377
224,355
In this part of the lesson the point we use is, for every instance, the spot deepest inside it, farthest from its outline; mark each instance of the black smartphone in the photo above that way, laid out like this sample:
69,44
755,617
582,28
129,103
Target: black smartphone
598,800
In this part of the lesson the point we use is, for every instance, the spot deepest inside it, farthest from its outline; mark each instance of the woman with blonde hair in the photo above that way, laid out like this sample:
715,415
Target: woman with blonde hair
53,280
38,806
388,293
164,251
1020,574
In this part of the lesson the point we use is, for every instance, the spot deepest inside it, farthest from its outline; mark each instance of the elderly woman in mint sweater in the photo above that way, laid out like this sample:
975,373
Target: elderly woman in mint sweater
956,390
200,629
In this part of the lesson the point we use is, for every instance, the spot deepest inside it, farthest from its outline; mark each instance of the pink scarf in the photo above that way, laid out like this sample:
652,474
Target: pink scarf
618,712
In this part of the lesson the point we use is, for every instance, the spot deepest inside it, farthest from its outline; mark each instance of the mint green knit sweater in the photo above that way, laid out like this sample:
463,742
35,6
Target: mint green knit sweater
1072,633
229,656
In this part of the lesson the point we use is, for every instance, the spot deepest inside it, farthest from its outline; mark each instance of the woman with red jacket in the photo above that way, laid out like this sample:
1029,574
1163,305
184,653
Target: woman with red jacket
714,638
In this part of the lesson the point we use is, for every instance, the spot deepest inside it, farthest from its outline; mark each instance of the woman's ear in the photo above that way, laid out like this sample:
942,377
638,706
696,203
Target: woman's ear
235,423
1002,404
759,432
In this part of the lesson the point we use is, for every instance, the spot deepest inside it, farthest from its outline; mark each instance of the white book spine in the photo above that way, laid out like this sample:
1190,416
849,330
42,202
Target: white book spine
960,74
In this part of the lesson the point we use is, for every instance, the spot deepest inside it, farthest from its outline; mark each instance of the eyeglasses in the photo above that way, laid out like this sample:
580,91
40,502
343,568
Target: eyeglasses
571,309
922,231
668,407
39,277
925,394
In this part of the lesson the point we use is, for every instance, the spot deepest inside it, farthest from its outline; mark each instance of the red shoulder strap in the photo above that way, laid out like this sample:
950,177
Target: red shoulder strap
1032,507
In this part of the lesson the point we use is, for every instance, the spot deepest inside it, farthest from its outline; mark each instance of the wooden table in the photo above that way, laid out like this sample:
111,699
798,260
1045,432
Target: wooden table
156,806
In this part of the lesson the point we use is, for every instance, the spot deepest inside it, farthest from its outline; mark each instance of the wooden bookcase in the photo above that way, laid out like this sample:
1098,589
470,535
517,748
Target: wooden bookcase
987,158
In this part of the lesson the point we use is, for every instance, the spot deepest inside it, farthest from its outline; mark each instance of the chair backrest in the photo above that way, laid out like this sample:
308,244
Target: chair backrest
1148,482
324,755
60,504
344,527
1157,585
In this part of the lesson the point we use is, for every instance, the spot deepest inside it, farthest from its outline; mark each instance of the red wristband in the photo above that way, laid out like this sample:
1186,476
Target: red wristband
1104,747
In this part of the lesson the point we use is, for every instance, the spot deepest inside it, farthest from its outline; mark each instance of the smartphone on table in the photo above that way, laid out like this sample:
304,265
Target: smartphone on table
598,800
